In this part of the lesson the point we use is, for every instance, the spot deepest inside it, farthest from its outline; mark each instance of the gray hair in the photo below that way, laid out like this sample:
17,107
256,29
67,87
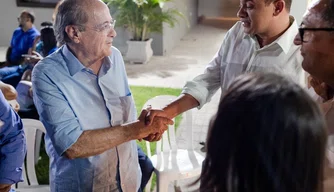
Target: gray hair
328,13
70,12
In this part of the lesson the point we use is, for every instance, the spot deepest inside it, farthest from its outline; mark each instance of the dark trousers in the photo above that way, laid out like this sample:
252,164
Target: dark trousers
12,75
30,113
145,166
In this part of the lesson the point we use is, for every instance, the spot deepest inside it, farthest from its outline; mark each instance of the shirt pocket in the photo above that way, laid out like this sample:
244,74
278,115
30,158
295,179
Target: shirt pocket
122,109
230,71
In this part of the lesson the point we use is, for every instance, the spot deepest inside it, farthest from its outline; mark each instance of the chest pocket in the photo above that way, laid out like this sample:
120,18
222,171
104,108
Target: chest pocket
122,109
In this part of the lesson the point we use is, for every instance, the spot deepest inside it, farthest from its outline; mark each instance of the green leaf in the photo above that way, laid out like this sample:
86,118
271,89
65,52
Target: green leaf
143,16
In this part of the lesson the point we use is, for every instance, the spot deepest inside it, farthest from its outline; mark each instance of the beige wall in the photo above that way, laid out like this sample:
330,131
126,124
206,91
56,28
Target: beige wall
217,8
8,19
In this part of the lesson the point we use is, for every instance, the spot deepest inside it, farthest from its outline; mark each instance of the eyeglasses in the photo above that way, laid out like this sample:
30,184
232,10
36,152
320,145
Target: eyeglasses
305,37
21,18
103,27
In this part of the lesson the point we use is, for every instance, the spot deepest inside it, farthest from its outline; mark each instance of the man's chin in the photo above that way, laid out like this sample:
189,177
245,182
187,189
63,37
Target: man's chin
307,67
248,31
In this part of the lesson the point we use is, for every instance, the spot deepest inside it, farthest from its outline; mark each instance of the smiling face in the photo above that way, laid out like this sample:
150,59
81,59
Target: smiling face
256,16
318,49
98,33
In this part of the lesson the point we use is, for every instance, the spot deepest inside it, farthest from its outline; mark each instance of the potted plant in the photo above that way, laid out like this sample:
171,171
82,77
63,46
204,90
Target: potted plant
142,17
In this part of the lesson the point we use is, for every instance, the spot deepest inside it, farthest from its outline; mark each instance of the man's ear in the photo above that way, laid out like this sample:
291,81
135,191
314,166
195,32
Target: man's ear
73,33
279,6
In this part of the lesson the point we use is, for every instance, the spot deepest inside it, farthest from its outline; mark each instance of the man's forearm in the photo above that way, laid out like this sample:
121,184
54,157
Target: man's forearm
95,142
183,103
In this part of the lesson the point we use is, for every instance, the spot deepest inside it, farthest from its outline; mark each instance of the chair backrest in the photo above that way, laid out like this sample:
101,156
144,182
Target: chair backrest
31,126
168,141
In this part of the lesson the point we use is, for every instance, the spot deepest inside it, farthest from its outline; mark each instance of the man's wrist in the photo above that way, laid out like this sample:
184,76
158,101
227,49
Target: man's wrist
134,129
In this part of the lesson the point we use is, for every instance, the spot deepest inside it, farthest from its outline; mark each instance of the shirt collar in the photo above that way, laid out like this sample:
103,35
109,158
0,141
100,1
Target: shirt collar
285,41
106,65
73,64
29,30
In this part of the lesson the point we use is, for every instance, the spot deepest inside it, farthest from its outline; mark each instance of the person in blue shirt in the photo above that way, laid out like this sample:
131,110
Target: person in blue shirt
45,47
22,41
83,99
12,146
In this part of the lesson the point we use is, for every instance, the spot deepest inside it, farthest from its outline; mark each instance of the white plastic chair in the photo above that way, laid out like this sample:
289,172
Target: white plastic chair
25,100
31,126
171,163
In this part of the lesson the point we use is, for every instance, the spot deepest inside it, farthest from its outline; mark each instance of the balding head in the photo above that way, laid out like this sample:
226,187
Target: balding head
328,12
73,12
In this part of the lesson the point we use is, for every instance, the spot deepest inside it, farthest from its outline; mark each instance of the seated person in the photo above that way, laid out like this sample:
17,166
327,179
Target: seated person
22,40
12,146
43,46
47,36
268,135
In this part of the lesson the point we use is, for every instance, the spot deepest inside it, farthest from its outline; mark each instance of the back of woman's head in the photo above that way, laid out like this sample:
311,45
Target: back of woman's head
48,38
267,136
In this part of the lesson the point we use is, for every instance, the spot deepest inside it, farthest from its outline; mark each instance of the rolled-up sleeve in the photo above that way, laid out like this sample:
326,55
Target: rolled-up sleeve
55,112
204,86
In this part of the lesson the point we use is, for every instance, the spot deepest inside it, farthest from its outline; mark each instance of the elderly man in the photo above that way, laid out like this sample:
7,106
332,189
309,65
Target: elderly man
84,101
262,41
317,44
12,146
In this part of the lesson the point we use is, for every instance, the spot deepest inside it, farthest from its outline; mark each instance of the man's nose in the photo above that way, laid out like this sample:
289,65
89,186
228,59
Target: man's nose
241,12
112,32
297,40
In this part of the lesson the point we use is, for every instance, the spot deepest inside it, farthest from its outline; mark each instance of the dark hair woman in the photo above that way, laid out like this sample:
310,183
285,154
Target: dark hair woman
49,40
267,136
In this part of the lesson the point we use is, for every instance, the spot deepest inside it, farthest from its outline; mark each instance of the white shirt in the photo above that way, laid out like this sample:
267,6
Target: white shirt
241,53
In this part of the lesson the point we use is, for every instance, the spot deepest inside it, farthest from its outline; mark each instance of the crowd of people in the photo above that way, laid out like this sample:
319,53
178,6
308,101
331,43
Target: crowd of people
269,133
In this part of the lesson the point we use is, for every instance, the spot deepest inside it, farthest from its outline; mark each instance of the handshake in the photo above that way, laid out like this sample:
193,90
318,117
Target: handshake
155,123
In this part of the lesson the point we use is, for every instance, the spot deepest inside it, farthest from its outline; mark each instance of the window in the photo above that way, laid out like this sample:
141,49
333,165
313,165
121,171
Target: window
37,3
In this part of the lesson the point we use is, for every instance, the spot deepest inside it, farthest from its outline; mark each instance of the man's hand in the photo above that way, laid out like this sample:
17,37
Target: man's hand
322,89
36,57
8,91
14,104
155,127
150,117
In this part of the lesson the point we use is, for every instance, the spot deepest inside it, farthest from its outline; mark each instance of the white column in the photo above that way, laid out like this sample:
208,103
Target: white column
298,9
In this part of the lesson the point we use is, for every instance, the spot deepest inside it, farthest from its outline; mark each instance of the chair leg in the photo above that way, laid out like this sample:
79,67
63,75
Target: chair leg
162,184
177,187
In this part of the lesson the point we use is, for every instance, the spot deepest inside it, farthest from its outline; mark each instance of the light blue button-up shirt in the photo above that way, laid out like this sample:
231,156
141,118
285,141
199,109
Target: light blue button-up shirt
71,99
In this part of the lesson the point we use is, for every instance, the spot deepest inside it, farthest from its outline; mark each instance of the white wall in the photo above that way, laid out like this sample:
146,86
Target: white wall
161,43
298,9
165,42
172,36
8,18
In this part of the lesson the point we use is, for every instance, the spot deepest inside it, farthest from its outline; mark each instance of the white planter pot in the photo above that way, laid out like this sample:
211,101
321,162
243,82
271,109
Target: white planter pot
139,51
